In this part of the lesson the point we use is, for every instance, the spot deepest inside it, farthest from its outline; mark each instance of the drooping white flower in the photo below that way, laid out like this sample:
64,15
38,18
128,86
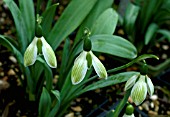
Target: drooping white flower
81,65
139,91
139,88
35,48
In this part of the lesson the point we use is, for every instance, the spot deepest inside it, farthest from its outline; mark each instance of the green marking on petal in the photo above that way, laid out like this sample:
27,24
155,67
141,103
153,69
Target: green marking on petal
79,68
89,60
30,54
39,45
49,54
139,91
131,82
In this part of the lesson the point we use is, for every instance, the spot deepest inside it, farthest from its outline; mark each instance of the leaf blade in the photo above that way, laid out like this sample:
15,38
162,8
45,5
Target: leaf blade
114,79
70,19
45,103
27,11
113,45
106,22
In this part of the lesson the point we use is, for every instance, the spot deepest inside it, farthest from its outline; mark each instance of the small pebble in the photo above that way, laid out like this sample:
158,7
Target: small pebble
152,105
156,108
164,56
13,59
168,112
78,99
0,63
77,109
11,72
152,113
145,106
102,58
165,47
90,101
2,73
154,97
70,115
140,108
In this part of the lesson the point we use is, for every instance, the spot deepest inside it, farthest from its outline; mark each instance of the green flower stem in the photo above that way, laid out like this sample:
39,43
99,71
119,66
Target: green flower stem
142,57
155,70
122,103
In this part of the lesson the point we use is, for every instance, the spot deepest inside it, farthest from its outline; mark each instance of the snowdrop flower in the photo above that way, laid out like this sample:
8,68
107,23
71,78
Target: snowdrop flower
141,84
38,46
84,61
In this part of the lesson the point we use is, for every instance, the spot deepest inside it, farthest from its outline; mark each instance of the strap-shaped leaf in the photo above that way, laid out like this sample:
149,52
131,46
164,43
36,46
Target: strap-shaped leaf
147,13
113,45
48,16
114,79
48,74
165,33
54,110
45,103
106,22
70,19
65,56
27,11
99,7
130,17
150,32
19,23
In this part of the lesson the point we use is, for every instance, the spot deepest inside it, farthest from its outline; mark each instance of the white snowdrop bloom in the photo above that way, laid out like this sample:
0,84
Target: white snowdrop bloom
85,60
37,46
140,88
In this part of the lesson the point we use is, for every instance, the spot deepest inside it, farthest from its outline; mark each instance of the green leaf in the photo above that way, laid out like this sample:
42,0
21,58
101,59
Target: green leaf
70,19
147,13
150,32
48,17
106,22
165,33
45,103
113,45
38,6
99,7
27,11
53,112
19,23
131,14
48,74
112,80
65,56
